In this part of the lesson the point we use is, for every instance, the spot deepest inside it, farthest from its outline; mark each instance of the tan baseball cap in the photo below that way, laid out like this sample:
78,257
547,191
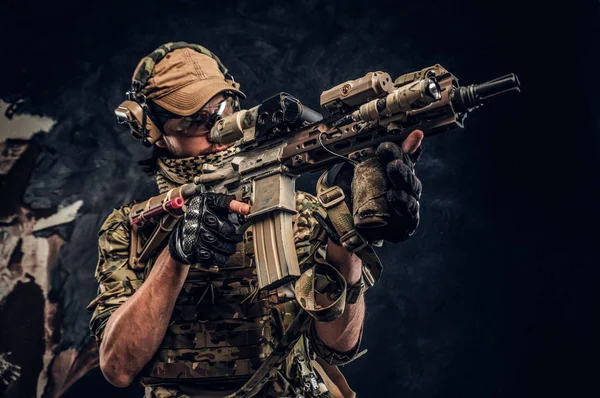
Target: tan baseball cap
184,81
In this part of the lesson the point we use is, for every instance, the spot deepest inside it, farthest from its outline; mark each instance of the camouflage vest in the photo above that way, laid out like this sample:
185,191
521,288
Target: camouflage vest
222,328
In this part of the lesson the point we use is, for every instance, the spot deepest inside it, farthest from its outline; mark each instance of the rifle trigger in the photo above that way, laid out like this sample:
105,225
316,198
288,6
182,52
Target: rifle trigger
241,228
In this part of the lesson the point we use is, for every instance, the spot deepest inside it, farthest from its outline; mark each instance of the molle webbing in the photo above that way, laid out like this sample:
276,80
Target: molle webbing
217,354
210,312
232,336
220,327
164,372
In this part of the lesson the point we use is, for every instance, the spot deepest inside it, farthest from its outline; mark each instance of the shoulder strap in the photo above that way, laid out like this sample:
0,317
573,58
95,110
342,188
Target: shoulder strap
340,217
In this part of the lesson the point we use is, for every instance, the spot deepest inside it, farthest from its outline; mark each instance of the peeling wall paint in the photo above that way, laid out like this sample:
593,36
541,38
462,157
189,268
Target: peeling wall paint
64,215
36,260
26,256
22,126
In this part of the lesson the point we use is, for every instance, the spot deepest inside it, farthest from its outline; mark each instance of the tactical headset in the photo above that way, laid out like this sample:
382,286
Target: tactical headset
135,113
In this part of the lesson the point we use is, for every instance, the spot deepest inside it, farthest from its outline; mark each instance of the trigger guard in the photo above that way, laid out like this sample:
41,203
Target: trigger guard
241,225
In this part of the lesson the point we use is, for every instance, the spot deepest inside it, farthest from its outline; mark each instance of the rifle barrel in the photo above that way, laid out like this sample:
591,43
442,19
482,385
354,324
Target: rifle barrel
467,98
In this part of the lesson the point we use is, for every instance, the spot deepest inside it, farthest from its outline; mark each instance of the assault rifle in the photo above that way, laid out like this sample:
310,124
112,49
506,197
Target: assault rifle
281,138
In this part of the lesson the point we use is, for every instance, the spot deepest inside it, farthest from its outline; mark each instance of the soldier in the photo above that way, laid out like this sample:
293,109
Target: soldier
190,333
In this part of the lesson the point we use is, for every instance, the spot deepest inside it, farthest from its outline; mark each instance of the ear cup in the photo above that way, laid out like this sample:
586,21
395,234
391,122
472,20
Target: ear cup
153,133
135,112
137,117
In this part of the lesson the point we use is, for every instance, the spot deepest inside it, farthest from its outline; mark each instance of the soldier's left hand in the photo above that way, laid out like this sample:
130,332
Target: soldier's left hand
386,191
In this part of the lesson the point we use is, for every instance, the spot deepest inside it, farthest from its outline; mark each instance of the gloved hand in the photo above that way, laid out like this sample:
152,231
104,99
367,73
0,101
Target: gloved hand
205,236
386,191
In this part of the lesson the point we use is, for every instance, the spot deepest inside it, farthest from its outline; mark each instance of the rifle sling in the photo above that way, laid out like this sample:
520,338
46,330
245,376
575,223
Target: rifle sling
340,217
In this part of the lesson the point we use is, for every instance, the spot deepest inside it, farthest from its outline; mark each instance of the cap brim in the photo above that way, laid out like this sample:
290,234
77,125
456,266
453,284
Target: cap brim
189,99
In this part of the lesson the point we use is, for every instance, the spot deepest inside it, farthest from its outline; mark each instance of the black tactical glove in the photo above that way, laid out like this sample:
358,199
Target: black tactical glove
205,237
384,193
392,190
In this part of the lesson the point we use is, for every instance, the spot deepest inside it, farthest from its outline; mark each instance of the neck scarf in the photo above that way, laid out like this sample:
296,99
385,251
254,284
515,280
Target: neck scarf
174,172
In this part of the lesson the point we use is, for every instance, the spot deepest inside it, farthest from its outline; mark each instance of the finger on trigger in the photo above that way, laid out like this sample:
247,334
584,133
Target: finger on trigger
239,207
412,142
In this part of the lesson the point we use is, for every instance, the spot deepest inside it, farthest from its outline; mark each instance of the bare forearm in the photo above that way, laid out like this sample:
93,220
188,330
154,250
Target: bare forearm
135,330
343,333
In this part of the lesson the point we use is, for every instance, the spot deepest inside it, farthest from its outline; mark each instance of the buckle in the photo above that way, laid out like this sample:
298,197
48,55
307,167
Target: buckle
353,241
331,197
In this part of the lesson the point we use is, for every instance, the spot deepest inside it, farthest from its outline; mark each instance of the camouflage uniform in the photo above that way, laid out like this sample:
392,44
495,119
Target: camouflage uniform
221,328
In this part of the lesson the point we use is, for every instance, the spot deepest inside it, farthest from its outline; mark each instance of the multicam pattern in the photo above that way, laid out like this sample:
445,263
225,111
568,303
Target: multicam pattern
116,280
304,224
165,392
146,66
220,327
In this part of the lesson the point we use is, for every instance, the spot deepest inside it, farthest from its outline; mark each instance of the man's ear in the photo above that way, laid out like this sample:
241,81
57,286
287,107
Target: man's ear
161,143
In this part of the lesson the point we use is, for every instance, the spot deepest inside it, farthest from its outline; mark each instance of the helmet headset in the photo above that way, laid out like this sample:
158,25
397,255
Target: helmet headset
135,112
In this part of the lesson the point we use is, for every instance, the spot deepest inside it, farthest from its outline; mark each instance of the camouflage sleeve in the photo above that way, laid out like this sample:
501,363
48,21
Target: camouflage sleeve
116,280
304,223
304,226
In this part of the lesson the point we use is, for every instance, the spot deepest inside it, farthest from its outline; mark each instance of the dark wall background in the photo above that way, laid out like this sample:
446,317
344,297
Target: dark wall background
495,295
